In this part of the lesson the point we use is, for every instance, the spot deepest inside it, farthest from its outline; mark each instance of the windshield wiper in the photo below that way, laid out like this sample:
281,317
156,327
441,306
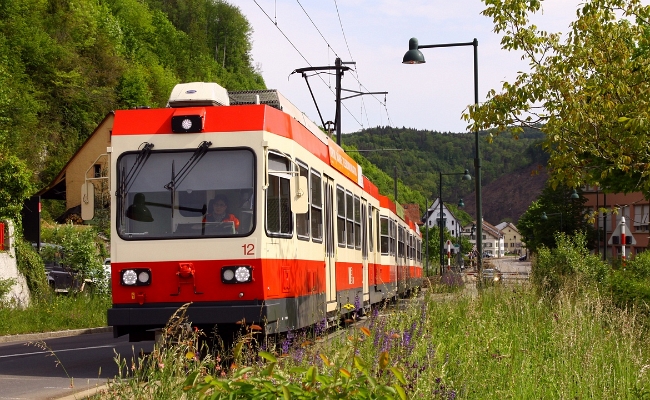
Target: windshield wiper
186,169
127,180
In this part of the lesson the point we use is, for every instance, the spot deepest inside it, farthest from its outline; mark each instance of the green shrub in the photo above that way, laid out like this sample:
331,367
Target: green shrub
629,290
5,286
15,188
570,260
30,264
80,247
639,266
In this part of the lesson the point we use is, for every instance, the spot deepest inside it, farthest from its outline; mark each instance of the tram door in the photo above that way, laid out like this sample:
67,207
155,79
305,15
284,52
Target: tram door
330,245
364,247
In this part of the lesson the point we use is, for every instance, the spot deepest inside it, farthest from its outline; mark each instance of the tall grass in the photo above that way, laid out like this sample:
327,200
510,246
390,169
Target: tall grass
508,342
52,312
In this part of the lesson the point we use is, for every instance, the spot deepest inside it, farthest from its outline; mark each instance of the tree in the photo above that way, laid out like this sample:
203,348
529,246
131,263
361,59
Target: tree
563,214
16,186
589,93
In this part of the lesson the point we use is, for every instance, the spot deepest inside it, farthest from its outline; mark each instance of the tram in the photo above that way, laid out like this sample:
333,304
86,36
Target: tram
305,236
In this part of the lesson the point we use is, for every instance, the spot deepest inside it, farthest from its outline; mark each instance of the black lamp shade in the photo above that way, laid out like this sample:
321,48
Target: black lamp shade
413,56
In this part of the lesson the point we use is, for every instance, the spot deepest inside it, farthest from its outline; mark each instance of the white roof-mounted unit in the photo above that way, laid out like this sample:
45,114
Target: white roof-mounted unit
198,94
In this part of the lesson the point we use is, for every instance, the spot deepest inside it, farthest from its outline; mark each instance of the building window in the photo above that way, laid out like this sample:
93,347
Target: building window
97,168
641,218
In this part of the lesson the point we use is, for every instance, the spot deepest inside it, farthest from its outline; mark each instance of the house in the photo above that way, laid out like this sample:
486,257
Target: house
493,241
449,220
89,163
511,238
633,206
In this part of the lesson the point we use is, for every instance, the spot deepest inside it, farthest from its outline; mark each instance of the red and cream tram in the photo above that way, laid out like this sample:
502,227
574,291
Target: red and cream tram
306,233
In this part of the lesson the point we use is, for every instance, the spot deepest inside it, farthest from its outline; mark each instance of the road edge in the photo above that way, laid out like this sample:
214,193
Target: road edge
27,337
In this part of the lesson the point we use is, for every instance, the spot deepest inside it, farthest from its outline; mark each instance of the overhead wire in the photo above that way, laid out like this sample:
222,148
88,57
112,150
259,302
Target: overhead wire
328,85
301,55
361,86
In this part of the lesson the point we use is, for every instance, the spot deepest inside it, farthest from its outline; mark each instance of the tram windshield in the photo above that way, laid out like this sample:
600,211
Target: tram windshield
186,194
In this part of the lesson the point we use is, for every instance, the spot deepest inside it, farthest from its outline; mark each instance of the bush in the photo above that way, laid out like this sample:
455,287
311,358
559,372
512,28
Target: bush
569,260
16,186
81,248
629,284
628,290
31,266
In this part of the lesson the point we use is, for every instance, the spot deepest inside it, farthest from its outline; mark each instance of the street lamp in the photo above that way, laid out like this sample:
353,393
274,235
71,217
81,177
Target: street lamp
414,56
426,222
441,213
544,217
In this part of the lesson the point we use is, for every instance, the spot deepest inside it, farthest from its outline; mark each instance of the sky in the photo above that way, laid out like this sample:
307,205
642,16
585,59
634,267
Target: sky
292,34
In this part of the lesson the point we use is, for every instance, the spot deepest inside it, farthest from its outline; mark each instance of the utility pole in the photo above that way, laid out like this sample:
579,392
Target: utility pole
339,68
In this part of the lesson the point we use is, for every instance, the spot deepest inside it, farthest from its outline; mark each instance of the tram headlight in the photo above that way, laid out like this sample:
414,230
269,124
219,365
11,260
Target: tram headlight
242,274
129,277
236,274
135,277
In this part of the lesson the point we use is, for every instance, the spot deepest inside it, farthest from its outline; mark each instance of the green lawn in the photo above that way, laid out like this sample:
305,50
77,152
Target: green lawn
54,312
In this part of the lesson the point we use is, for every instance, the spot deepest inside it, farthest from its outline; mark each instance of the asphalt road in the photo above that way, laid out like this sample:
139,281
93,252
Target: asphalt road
68,365
510,266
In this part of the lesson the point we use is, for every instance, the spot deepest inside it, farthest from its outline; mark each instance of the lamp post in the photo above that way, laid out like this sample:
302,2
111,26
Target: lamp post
574,196
441,213
414,56
426,221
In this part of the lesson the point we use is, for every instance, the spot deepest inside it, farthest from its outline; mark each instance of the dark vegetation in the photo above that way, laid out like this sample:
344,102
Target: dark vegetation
512,169
65,65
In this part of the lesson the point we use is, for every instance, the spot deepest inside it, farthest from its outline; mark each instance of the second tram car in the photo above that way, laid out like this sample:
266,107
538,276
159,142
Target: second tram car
304,234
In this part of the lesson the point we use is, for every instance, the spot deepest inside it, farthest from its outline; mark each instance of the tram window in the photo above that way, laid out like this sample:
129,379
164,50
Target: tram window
157,206
316,207
278,197
400,242
340,215
357,223
349,213
371,210
384,234
302,220
393,236
364,229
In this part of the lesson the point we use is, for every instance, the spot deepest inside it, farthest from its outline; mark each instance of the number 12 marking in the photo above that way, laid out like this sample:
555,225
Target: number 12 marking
249,249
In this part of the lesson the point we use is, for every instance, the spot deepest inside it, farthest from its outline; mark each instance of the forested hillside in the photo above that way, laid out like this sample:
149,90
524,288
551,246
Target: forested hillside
423,154
64,65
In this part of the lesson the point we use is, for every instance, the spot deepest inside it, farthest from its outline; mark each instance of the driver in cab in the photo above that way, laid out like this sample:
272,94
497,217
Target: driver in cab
218,212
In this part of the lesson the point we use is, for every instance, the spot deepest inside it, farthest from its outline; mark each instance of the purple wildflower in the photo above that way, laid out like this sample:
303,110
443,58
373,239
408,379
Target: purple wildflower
406,339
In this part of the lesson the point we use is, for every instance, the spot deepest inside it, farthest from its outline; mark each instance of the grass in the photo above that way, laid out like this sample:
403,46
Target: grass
54,312
507,342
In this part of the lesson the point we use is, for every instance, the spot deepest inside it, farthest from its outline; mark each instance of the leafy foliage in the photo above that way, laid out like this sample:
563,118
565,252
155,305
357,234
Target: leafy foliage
65,65
563,214
589,92
15,188
5,287
81,251
425,153
30,264
570,259
630,283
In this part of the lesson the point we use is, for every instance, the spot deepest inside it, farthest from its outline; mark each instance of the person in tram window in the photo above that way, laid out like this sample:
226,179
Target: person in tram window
218,212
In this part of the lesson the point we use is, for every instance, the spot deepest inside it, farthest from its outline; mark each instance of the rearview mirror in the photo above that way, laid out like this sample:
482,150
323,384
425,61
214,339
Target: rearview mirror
87,201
